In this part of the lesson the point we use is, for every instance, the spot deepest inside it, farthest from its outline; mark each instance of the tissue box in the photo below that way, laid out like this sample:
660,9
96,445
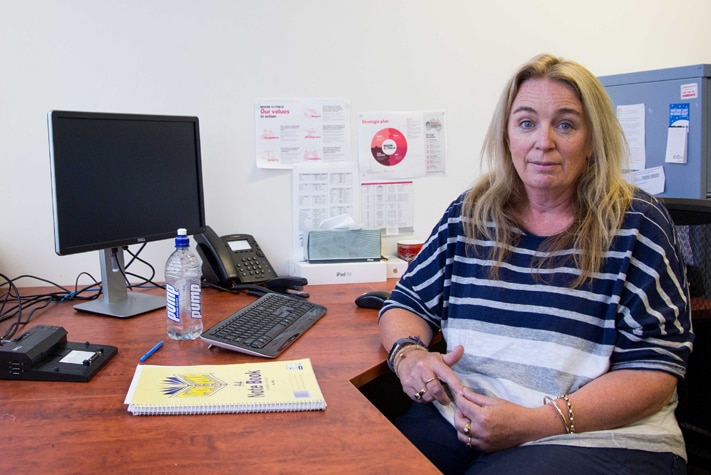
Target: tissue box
339,272
343,245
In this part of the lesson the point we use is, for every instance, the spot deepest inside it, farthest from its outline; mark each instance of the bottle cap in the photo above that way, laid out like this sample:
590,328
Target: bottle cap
182,240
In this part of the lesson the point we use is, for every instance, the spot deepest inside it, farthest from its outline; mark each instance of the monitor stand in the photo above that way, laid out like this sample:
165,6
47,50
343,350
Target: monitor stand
117,301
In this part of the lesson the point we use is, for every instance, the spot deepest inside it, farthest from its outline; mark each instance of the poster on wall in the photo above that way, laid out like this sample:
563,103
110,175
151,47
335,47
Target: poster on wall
401,145
320,192
291,131
388,206
435,143
632,120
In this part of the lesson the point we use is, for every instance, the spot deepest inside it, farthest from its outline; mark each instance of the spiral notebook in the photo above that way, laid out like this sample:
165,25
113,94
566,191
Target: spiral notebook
273,386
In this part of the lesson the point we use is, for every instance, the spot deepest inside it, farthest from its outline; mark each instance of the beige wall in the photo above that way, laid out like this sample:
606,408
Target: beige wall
212,58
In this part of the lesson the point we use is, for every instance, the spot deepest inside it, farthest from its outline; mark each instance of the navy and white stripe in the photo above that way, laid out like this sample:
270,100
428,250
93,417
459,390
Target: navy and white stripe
528,334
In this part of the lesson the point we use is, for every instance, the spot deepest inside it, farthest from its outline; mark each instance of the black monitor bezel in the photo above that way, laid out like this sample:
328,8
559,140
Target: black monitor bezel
63,248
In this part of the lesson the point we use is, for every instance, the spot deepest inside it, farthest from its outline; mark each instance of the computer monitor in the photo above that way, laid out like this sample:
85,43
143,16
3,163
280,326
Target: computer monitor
118,180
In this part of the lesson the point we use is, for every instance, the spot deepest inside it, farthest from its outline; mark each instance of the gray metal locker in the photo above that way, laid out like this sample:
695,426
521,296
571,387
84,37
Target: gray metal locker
658,90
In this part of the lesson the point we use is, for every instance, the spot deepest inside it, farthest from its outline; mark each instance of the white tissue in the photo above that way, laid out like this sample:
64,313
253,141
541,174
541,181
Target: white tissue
342,221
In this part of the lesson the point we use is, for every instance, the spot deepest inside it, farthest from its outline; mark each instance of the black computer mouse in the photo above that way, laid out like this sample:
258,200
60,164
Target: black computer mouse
374,299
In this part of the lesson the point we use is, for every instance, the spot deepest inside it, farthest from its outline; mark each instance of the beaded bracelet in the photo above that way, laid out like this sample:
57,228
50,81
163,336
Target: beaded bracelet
571,419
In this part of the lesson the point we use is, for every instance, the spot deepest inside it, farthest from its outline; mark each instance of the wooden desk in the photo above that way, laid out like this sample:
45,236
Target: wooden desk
54,427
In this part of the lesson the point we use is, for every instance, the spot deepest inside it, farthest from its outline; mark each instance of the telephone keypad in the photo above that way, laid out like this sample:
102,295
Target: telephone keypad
251,266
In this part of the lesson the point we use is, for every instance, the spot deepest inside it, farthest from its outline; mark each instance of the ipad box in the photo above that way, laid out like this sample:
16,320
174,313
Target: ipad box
395,267
340,272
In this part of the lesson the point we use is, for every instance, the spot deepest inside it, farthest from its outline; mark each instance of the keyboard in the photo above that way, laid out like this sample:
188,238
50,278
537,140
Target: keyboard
266,327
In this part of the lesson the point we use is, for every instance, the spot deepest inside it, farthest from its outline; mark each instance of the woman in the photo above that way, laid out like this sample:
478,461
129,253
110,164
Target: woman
560,293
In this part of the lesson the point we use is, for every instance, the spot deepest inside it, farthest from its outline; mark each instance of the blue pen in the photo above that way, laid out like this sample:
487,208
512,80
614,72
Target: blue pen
150,352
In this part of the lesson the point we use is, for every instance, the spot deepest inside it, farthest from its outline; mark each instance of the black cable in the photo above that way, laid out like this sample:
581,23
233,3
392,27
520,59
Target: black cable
255,290
14,326
146,280
135,257
21,308
95,287
122,269
5,297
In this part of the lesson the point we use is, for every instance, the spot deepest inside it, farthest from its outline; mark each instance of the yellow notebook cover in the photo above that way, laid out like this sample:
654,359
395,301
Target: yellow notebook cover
272,386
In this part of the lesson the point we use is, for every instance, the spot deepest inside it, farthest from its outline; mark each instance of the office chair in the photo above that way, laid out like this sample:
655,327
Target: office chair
692,222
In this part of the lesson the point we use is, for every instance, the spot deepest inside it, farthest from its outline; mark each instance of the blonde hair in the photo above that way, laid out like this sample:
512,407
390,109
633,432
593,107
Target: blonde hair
602,194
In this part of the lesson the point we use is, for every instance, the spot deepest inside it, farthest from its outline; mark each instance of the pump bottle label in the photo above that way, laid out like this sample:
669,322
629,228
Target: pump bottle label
172,303
195,301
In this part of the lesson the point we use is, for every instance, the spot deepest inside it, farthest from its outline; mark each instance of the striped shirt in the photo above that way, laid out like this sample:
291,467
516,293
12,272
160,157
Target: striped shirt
528,334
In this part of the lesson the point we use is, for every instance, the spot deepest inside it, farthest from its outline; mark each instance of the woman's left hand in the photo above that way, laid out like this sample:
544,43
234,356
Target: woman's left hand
490,424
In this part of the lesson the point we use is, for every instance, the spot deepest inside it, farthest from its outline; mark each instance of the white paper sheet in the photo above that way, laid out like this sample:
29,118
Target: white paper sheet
291,131
651,180
676,145
321,191
632,120
389,206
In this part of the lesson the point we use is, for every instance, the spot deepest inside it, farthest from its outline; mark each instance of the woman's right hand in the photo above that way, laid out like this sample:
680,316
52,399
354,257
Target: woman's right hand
424,374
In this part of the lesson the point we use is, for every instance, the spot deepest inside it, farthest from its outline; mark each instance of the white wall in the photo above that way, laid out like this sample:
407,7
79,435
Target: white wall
212,58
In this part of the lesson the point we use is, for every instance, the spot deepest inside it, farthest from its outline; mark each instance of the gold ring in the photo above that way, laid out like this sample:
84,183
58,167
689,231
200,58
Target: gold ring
430,380
421,393
467,428
469,442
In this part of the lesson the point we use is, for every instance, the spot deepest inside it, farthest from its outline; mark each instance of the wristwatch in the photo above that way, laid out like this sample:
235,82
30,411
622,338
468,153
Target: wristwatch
399,345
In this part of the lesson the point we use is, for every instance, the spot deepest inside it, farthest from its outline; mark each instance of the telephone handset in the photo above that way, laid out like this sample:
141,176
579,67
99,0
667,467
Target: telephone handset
232,259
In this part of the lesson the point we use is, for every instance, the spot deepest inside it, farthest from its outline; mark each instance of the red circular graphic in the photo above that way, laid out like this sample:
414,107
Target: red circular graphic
389,147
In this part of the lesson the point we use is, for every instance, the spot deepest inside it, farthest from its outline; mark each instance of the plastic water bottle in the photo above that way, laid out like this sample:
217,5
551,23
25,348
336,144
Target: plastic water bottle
183,292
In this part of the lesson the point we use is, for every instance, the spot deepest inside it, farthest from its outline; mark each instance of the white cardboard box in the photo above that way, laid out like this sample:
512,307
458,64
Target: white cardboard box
340,272
395,267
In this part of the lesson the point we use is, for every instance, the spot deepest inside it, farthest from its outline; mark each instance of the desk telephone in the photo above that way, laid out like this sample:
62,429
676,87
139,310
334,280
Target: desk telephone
232,259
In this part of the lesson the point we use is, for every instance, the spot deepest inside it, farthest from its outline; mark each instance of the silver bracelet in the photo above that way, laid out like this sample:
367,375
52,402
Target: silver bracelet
549,400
